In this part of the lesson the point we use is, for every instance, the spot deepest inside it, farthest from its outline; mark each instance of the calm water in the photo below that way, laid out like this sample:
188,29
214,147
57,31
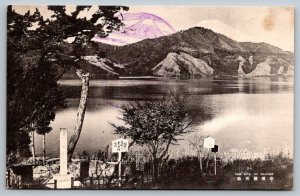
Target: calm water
255,114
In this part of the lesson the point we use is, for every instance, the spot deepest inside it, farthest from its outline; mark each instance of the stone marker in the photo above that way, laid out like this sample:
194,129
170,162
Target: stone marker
63,178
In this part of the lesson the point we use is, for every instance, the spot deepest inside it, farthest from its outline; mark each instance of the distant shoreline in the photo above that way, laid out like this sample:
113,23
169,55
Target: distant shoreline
138,77
157,78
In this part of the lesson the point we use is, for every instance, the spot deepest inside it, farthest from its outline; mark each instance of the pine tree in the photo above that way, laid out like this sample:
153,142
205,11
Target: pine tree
37,59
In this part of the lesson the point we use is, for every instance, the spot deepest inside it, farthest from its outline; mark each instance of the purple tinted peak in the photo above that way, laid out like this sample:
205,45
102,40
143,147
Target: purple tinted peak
144,16
138,26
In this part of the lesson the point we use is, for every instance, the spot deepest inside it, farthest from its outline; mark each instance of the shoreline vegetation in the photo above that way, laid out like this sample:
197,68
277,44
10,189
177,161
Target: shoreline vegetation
273,171
224,77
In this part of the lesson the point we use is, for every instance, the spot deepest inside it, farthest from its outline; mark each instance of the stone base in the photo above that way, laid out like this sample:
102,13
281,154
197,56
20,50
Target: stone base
63,181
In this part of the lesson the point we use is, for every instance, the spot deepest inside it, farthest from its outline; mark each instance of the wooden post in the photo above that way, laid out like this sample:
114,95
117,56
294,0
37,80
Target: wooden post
147,175
120,167
32,147
44,148
18,182
72,182
55,184
215,156
8,178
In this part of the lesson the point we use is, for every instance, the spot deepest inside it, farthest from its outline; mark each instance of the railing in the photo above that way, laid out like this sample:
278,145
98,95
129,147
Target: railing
141,176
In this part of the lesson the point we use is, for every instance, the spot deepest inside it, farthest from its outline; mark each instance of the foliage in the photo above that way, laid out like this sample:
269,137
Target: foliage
103,155
33,93
278,164
183,172
156,124
197,142
37,58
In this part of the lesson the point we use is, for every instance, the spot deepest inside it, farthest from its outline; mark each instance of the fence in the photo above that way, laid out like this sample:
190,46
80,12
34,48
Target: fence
171,174
134,175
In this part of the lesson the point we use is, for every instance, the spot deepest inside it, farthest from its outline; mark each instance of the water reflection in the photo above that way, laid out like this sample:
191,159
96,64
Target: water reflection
245,113
137,89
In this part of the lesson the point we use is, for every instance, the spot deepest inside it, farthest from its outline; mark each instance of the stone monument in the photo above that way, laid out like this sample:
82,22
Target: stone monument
63,178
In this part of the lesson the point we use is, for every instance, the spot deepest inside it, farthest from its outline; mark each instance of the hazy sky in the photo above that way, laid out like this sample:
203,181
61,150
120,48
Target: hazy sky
274,25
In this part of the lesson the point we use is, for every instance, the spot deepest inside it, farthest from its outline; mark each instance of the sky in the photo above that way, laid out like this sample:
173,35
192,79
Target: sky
273,25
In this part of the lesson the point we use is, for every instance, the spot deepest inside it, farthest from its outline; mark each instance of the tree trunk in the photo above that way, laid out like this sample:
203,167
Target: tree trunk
32,147
207,162
44,149
155,170
80,114
200,162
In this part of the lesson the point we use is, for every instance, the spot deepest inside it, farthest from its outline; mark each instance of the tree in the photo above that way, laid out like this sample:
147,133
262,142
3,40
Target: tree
42,128
80,114
156,124
83,30
32,88
38,58
197,142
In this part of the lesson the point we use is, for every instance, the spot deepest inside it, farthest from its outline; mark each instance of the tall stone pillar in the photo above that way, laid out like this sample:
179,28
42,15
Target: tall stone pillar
63,148
63,178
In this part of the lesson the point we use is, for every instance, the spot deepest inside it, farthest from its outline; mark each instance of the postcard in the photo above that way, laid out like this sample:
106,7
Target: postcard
150,97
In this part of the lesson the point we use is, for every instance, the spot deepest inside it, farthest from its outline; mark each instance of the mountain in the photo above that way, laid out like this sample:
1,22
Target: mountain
196,52
99,68
272,66
138,26
218,26
176,64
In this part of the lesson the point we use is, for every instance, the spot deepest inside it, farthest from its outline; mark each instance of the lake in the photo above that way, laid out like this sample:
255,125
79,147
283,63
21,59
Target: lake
254,114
